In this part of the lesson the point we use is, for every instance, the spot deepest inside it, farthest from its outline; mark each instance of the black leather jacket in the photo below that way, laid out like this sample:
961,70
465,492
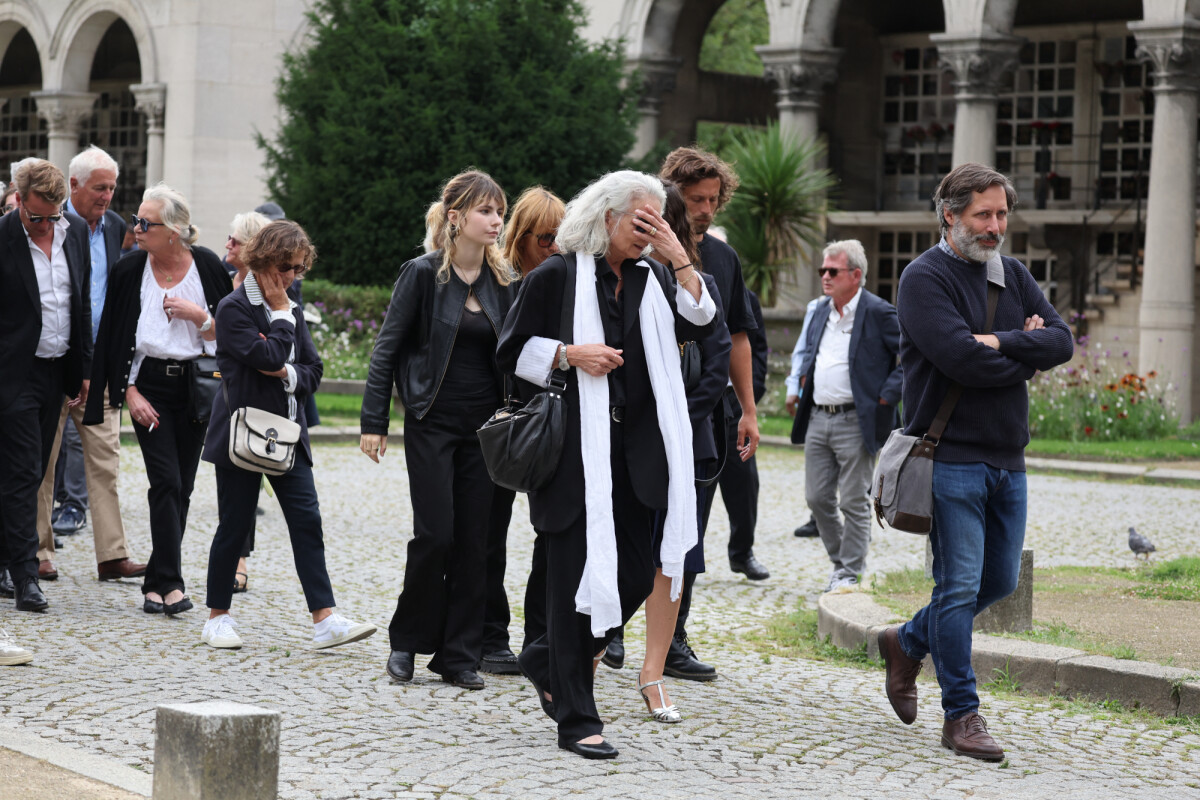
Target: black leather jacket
414,344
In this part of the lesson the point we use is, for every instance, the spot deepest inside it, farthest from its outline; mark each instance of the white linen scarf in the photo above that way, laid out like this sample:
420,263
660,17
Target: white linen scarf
597,594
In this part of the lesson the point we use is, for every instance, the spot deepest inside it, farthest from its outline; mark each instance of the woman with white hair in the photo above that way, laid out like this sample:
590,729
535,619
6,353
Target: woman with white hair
158,318
628,445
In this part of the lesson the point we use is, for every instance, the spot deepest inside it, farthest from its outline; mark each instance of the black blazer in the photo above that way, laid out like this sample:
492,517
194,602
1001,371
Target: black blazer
115,341
875,374
537,312
21,307
241,353
714,375
114,235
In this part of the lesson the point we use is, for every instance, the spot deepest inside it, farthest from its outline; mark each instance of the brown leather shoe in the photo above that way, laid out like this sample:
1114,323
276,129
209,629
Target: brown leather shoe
968,736
120,568
46,571
902,673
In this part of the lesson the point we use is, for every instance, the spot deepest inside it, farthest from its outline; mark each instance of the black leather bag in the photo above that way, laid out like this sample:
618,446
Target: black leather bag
203,385
522,444
689,363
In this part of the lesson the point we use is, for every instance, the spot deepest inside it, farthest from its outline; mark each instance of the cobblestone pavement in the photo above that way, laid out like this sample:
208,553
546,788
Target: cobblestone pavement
770,727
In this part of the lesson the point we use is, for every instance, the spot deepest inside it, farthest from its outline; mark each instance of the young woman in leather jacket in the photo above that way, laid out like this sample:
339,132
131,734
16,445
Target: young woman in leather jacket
437,346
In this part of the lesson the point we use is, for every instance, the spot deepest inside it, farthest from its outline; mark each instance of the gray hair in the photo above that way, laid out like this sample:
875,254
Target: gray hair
852,249
83,165
246,225
173,209
959,187
584,228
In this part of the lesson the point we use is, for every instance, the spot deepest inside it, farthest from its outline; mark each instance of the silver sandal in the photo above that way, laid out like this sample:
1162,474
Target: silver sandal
665,713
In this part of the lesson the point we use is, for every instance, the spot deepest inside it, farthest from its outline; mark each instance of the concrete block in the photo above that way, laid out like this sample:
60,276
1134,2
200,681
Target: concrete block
848,619
1135,684
216,751
1189,698
1033,666
1014,613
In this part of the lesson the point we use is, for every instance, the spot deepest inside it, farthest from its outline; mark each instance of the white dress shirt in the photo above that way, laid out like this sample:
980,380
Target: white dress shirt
54,293
831,380
160,336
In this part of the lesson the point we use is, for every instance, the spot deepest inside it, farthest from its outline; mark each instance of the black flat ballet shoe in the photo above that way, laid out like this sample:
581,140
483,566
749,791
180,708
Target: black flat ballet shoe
177,608
152,607
601,750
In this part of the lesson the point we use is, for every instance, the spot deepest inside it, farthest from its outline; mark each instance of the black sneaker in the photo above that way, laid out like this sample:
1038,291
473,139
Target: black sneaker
682,662
70,521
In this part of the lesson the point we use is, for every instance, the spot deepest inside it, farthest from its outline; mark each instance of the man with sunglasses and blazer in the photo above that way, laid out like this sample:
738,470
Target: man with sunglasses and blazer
851,383
45,352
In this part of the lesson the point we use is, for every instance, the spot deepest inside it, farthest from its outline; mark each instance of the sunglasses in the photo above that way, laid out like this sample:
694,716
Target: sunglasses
38,220
832,271
144,225
299,269
230,238
544,240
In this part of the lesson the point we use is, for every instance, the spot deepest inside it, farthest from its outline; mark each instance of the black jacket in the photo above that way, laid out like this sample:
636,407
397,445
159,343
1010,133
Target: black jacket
115,341
414,344
714,375
537,312
241,353
21,307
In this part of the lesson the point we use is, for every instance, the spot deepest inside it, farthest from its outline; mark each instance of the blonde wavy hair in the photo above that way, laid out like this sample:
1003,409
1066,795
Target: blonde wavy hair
462,193
536,209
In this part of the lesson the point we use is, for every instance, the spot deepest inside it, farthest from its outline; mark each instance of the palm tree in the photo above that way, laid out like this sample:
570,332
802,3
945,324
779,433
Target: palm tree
776,215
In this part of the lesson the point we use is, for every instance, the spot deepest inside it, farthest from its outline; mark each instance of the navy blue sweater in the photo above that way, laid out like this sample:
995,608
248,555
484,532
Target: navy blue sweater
942,302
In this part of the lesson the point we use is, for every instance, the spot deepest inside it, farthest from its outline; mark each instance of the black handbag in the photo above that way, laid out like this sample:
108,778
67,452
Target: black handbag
522,444
689,364
203,385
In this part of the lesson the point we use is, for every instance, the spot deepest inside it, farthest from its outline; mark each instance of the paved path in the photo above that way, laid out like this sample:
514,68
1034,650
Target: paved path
771,727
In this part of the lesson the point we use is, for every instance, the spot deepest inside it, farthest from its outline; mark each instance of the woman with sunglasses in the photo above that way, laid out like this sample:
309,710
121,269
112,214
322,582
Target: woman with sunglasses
437,346
268,361
158,318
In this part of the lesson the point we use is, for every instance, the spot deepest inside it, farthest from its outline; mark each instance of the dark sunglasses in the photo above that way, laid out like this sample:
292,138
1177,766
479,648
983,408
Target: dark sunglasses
299,269
832,271
144,225
36,220
544,240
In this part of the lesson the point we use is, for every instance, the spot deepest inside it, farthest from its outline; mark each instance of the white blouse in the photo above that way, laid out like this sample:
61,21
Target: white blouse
160,336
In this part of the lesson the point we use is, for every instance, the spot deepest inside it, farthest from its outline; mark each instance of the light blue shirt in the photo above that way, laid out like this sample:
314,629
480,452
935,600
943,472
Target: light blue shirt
99,268
793,378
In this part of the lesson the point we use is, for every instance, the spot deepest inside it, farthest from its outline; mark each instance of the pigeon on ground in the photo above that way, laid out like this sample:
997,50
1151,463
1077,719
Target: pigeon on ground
1140,545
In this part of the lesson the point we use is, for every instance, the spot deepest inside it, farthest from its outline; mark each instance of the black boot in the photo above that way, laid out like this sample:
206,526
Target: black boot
30,597
682,662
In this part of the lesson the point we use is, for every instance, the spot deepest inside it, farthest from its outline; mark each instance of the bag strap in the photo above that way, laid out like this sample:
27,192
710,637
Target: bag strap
938,427
722,437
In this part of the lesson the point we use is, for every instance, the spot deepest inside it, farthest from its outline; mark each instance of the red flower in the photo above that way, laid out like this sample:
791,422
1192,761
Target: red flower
1104,408
1088,430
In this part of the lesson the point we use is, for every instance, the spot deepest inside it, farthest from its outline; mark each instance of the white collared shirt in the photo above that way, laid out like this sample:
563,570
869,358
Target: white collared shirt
831,380
54,293
160,336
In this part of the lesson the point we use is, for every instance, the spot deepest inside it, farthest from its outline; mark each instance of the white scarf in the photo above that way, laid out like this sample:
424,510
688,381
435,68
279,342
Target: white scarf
597,594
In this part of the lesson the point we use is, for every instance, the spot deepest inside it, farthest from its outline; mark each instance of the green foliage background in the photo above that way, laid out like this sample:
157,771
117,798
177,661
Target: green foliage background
396,96
729,42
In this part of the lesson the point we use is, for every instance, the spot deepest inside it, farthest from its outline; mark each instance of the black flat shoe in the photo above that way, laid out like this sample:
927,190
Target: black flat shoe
602,750
464,679
400,666
177,608
152,607
547,705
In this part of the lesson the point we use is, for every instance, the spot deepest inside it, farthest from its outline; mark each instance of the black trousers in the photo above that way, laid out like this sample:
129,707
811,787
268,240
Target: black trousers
535,593
496,616
561,659
172,453
440,609
237,498
26,437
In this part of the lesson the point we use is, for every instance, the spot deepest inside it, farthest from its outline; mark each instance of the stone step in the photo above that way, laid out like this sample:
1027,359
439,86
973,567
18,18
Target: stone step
1118,284
1100,299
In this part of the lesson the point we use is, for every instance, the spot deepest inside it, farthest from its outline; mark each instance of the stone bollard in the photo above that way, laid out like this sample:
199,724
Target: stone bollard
216,750
1012,614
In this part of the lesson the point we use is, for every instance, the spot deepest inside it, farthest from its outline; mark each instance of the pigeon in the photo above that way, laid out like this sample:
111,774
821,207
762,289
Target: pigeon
1140,545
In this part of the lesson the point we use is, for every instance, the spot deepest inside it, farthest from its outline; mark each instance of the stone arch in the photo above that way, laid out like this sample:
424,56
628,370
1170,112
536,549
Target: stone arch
24,14
807,23
78,35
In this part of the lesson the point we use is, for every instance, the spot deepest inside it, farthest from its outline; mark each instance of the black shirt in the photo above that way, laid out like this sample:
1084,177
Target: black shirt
721,261
612,314
470,378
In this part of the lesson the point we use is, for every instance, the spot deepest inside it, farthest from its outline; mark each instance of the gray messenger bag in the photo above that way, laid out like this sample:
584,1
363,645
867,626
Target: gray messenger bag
902,486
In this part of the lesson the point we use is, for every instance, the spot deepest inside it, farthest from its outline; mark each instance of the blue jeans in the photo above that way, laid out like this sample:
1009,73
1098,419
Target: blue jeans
977,534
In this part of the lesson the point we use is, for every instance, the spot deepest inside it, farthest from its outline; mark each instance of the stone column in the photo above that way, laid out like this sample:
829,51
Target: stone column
799,76
977,63
658,78
64,113
1168,313
152,101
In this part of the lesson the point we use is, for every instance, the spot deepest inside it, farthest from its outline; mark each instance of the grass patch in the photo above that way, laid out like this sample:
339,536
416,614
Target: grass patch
1169,449
344,409
1178,579
794,635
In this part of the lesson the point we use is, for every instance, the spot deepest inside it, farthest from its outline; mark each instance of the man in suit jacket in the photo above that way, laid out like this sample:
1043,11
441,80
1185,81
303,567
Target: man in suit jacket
851,382
92,450
45,350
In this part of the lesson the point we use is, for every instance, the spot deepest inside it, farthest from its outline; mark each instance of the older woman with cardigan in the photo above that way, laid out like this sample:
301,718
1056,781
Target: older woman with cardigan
628,445
158,318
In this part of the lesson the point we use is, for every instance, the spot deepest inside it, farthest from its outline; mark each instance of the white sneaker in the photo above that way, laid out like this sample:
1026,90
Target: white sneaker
11,653
219,632
843,583
336,629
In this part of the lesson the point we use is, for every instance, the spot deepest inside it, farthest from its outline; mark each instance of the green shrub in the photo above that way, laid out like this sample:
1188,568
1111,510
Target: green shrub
350,318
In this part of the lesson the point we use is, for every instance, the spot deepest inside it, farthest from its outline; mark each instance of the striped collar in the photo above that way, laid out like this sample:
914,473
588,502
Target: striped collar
254,294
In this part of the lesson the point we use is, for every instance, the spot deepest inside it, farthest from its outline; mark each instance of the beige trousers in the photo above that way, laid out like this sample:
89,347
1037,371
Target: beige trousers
101,460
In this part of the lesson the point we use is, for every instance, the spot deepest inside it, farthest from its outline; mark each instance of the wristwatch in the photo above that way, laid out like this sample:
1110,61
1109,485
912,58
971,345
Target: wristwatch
208,323
562,358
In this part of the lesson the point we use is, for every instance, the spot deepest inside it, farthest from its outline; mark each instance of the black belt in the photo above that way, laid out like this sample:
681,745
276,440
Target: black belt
164,366
836,409
617,413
